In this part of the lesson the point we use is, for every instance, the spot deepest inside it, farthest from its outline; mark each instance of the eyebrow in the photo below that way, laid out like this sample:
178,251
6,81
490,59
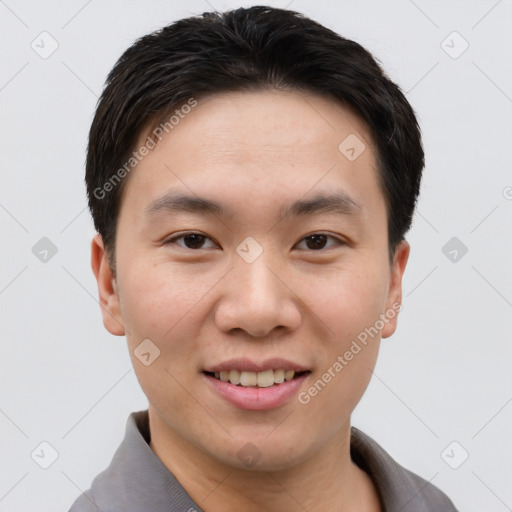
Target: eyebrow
338,202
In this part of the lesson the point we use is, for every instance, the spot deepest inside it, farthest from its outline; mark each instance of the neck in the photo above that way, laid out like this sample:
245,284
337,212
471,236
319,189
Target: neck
328,481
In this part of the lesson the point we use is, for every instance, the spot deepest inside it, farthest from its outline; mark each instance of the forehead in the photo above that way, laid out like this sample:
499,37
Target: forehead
258,146
273,119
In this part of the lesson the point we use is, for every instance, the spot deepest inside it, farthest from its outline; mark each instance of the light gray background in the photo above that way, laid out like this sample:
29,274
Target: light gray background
443,377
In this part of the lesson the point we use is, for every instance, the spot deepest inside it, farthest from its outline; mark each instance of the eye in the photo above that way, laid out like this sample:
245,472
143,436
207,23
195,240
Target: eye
190,241
195,241
318,241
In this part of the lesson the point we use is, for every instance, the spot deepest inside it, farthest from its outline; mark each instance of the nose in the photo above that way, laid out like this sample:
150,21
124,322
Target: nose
257,299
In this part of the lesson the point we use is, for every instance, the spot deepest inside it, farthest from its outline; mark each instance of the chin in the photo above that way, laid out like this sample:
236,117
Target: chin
261,463
263,454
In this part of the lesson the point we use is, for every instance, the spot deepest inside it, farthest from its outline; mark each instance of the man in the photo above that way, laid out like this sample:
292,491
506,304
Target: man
251,176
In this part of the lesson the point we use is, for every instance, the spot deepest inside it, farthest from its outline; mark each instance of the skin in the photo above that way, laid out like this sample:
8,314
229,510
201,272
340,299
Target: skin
255,153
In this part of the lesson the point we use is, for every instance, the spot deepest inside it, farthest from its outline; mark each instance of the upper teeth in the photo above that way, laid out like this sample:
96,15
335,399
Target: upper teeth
261,379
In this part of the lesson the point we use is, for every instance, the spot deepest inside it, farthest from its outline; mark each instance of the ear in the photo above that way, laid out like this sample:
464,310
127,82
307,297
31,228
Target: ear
394,300
107,288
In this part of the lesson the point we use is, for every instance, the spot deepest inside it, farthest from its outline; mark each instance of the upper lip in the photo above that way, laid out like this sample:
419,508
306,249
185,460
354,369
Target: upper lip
248,365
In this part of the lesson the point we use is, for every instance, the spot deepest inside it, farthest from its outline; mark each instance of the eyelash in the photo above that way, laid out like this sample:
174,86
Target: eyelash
172,241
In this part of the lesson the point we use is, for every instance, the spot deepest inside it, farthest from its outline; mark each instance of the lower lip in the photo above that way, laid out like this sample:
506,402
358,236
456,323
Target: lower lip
254,398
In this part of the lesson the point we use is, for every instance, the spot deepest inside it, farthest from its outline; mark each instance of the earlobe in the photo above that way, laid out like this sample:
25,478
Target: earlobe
107,289
394,300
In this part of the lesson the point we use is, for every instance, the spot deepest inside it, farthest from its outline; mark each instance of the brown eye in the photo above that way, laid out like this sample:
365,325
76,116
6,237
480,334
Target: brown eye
318,241
194,241
190,241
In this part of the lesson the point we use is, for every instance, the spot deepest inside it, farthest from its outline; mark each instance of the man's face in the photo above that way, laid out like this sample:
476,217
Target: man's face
250,284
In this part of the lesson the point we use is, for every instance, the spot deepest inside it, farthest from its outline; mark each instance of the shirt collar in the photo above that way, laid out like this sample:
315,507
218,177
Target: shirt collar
137,479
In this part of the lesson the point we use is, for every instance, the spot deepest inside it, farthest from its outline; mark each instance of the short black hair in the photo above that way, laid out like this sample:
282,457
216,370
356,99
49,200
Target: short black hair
248,49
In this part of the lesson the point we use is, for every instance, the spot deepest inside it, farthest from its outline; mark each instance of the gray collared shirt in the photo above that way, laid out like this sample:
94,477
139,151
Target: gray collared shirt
137,481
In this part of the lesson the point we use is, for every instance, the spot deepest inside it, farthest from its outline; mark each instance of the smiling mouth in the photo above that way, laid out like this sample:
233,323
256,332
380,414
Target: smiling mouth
263,379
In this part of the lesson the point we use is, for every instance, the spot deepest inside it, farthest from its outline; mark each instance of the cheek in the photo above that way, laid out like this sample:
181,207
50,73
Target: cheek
349,355
165,307
163,304
349,300
350,305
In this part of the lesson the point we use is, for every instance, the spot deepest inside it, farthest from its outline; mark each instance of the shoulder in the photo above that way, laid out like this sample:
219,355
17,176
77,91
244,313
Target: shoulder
399,489
136,479
84,503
